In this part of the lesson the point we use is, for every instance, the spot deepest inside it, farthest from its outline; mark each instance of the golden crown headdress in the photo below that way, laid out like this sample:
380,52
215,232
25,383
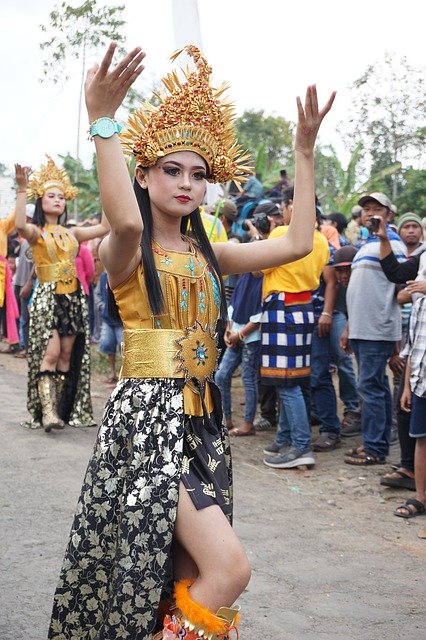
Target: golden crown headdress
192,117
48,176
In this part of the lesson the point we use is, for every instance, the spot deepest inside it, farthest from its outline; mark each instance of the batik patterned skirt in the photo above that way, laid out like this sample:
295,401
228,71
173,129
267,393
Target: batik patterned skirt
68,314
287,325
118,565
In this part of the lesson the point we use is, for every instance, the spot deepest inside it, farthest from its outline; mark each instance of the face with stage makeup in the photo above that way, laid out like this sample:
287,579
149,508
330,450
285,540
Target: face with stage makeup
176,183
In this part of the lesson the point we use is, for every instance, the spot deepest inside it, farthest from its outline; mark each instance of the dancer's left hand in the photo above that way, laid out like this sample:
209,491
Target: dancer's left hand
105,87
310,119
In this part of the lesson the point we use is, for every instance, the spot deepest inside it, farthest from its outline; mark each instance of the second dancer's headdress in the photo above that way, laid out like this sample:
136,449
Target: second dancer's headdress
193,116
47,177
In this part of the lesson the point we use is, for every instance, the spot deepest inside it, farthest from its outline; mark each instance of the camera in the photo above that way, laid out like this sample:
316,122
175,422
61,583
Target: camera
260,221
374,224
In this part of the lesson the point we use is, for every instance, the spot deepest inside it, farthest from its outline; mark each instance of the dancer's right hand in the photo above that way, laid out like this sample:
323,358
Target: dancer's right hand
105,88
22,175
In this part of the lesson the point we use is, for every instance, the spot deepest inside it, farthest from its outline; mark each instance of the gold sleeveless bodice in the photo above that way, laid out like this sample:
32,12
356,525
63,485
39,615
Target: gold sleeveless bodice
192,305
54,257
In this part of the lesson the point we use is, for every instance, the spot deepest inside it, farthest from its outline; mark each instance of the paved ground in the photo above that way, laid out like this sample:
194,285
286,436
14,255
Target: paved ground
329,558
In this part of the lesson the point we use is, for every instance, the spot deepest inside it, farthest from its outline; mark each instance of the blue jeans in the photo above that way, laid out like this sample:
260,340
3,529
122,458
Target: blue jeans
322,389
293,424
376,411
249,356
111,338
348,391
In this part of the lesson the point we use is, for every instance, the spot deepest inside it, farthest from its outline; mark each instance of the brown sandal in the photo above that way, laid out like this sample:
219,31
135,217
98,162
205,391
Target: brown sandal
418,509
365,459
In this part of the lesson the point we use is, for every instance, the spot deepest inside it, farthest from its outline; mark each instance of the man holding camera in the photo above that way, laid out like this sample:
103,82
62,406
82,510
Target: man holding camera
265,218
374,331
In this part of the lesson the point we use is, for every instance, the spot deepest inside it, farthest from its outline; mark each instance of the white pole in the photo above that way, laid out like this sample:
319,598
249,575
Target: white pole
186,23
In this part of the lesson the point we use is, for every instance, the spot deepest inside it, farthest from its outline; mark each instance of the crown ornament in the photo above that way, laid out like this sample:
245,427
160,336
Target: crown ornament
50,176
192,116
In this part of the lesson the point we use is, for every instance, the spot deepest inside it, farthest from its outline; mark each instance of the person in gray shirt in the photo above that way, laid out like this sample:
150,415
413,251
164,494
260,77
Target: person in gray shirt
374,330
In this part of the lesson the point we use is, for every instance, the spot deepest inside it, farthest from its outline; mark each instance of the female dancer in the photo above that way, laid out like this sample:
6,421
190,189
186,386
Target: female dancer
58,353
156,501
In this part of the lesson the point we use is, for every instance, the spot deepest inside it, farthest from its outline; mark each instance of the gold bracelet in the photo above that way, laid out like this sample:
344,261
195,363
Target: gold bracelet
325,313
241,336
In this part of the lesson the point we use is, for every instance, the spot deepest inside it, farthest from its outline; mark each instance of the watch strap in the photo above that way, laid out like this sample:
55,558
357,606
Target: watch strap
93,129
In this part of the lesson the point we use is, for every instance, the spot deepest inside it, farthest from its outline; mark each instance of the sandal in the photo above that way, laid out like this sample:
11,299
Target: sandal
355,451
11,348
419,509
399,479
365,459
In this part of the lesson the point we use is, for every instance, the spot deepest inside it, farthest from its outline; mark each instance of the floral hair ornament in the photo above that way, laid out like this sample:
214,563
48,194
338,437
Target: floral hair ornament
193,116
50,176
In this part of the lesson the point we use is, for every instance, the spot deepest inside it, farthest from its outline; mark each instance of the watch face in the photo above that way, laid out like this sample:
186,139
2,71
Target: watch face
105,127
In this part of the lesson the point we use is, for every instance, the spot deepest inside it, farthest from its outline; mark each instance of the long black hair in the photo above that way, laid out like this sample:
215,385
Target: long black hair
39,218
195,224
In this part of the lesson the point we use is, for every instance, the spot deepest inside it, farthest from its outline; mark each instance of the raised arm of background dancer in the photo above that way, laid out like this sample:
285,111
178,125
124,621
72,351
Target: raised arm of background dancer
26,230
298,242
95,231
105,90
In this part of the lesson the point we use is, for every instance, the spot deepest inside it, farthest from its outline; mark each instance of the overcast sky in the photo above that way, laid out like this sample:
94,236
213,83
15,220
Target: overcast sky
267,50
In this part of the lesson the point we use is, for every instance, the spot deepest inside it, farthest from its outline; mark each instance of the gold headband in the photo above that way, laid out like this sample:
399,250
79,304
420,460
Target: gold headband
192,117
50,176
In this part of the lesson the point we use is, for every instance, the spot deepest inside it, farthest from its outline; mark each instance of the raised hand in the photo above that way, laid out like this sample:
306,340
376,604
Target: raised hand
309,119
22,175
105,88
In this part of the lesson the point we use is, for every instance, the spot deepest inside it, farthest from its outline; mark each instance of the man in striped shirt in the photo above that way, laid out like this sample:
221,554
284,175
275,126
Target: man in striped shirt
374,332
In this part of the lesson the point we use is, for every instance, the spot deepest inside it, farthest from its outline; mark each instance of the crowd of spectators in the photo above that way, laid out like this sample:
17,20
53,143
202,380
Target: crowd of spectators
332,327
327,328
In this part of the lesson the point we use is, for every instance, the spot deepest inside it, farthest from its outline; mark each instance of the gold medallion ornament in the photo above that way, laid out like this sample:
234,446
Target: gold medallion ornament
50,176
192,117
198,353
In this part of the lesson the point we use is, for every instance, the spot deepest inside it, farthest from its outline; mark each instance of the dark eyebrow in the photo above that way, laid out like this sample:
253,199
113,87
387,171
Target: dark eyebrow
178,164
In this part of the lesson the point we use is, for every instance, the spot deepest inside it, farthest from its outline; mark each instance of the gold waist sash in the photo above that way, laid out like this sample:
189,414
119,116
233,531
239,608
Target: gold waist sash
169,353
63,272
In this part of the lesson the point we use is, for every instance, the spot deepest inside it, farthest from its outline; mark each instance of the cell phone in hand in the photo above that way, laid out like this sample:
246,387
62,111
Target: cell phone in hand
374,224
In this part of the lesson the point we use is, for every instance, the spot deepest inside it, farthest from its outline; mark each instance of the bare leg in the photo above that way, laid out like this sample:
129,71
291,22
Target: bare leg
51,355
214,549
183,565
111,364
420,469
64,359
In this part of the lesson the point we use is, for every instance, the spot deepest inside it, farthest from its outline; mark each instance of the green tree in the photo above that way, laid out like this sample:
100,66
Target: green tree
339,189
413,195
74,32
87,183
387,113
269,139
